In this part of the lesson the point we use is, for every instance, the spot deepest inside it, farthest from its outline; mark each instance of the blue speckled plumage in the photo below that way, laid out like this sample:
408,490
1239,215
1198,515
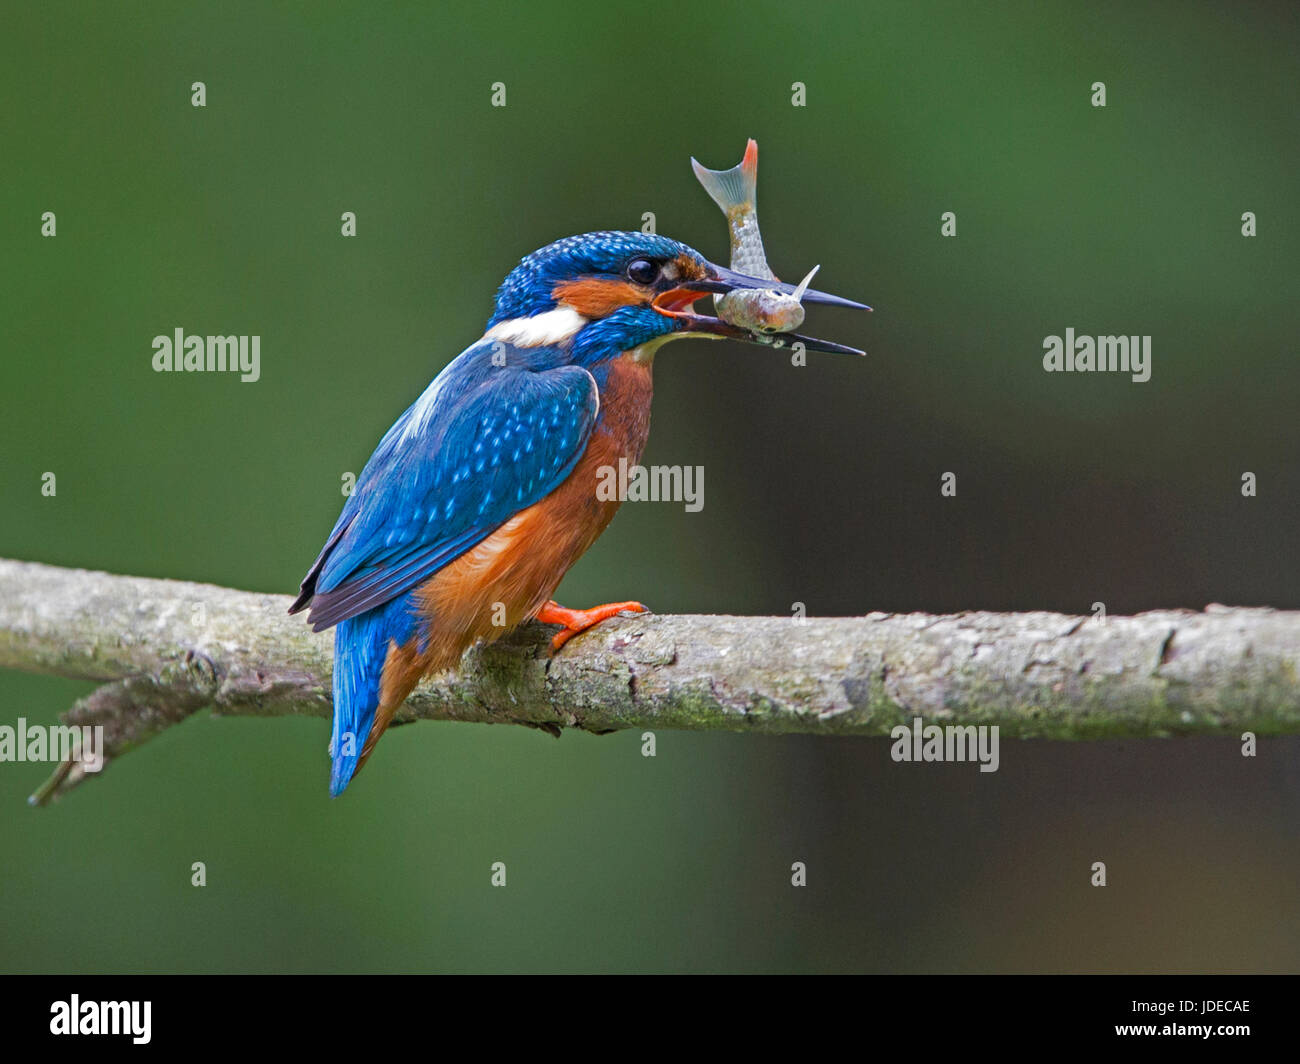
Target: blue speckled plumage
483,442
498,429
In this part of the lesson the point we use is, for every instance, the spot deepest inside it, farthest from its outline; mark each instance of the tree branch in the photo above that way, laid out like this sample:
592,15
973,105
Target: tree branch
165,649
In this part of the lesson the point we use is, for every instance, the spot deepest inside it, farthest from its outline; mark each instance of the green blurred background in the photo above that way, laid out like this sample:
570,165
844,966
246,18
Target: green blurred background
822,483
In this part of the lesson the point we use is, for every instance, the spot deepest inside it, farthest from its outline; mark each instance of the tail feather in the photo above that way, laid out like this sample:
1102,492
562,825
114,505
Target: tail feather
360,649
737,187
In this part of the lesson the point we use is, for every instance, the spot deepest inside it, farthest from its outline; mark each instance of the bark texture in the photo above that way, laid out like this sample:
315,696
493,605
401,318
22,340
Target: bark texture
163,649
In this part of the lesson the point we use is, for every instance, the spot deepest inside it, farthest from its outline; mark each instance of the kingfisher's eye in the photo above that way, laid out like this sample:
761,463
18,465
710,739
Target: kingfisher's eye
642,271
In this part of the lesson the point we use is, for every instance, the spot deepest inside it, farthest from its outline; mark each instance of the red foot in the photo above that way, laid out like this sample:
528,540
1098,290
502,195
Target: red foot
575,621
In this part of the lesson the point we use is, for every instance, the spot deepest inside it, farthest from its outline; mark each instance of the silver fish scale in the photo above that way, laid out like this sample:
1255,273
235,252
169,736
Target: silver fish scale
747,255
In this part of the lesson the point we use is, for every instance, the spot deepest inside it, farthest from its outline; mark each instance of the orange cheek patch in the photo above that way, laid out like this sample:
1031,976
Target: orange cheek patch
593,298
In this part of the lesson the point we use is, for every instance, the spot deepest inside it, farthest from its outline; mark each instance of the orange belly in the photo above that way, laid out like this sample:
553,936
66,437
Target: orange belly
510,575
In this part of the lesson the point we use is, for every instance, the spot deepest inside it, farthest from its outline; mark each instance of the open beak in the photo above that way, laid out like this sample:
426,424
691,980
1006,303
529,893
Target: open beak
678,303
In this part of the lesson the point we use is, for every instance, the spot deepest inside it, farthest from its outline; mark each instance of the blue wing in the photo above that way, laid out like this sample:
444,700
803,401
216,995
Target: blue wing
483,442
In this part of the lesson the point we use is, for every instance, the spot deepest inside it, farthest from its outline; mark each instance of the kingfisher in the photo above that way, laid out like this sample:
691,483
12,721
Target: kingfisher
484,492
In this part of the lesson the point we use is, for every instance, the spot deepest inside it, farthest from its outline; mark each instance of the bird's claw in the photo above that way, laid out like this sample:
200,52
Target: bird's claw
573,622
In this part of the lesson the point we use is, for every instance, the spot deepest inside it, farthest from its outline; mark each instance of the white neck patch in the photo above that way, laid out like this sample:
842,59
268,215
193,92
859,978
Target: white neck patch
549,327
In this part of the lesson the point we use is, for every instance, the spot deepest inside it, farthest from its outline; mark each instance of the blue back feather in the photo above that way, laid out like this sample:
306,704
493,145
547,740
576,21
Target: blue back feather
481,444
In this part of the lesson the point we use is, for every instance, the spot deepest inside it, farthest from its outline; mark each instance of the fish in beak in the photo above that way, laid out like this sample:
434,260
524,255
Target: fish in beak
723,281
752,304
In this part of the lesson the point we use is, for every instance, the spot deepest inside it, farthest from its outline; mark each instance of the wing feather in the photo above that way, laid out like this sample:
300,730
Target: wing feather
484,442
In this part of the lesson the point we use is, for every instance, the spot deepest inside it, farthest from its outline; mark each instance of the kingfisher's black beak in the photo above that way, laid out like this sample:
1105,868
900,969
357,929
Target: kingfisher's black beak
720,280
726,280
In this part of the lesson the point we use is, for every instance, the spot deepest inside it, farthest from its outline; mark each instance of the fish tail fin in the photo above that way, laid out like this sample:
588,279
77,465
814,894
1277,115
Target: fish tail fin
737,187
361,647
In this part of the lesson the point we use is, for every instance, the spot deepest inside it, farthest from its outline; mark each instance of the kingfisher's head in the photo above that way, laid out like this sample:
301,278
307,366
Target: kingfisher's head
601,294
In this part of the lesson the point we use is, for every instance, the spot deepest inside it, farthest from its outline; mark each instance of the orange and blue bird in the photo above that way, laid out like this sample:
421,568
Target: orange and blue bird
484,492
